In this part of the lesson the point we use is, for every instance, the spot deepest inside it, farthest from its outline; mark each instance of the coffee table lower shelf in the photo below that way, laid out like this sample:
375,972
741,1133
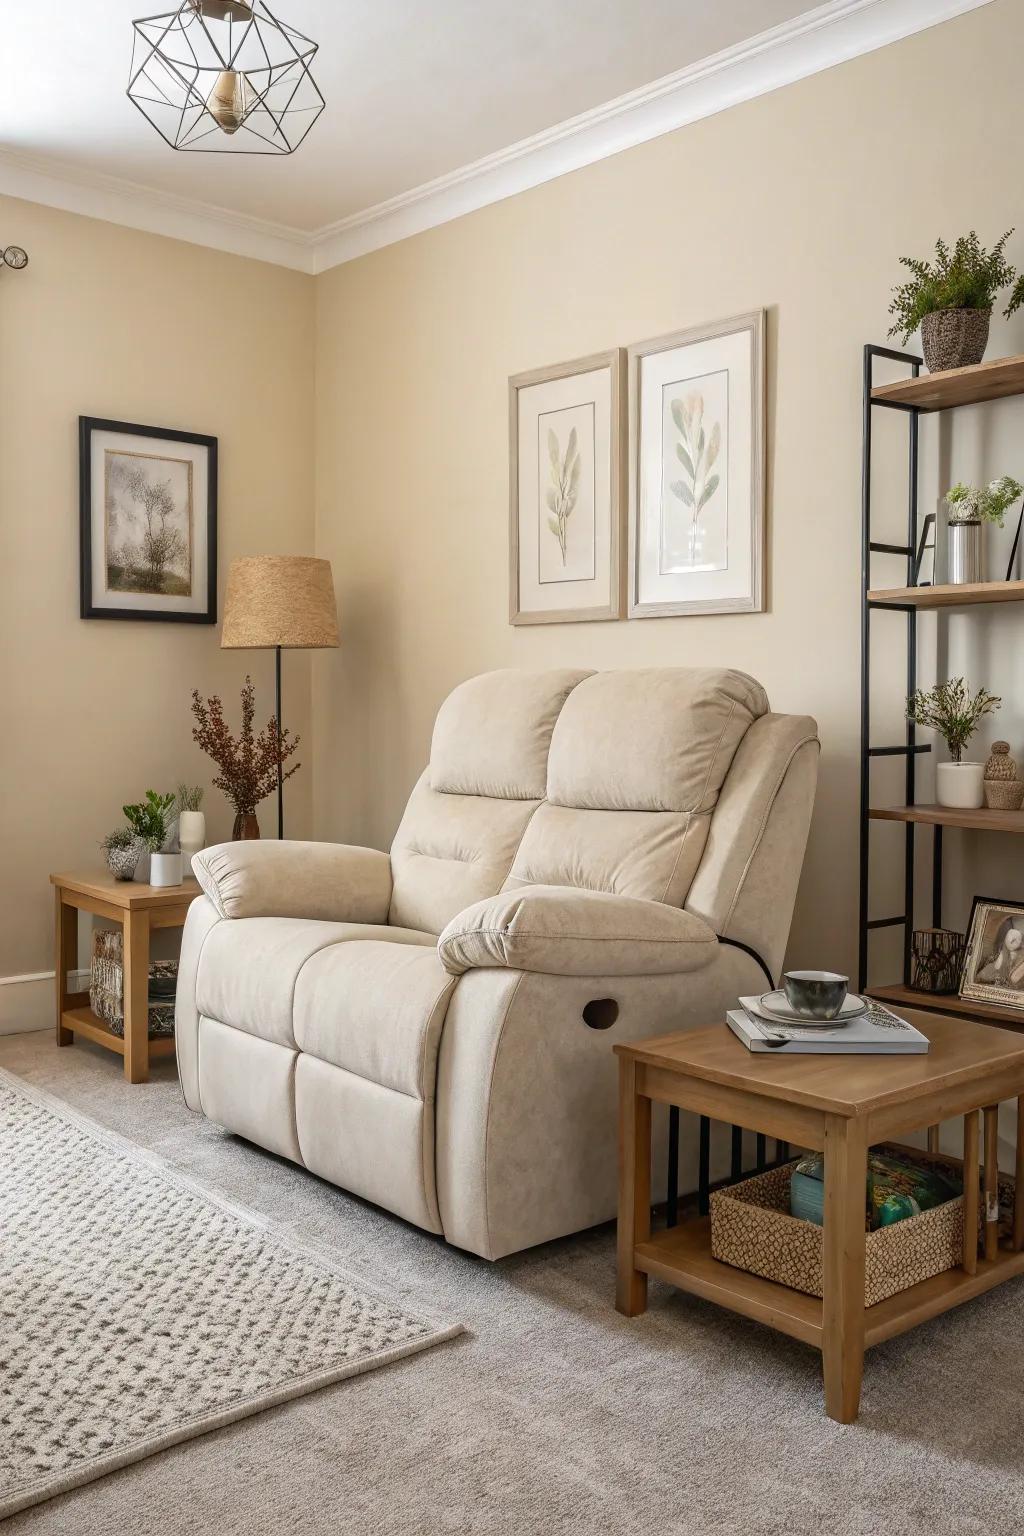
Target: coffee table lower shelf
681,1256
82,1021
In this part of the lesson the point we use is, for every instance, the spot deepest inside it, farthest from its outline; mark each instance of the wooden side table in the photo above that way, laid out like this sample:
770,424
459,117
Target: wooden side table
841,1106
139,909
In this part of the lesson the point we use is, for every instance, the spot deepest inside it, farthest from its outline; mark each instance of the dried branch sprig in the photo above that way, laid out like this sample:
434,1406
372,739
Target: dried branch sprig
248,765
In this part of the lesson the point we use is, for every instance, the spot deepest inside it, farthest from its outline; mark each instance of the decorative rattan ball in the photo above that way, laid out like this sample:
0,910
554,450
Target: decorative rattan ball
1000,765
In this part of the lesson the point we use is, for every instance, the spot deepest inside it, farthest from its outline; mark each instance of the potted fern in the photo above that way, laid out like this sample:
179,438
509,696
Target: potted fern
970,507
951,299
950,709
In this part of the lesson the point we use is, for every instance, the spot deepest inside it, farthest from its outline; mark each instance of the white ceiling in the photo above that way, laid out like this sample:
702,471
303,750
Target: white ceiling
415,91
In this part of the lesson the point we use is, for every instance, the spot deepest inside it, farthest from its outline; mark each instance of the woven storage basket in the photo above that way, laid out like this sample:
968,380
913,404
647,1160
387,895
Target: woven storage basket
751,1229
106,986
1004,794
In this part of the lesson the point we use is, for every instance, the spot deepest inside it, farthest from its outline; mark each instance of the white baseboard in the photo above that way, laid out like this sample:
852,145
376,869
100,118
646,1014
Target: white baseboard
26,1002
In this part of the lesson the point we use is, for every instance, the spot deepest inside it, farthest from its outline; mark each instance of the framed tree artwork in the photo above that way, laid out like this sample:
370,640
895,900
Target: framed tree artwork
148,523
566,491
696,470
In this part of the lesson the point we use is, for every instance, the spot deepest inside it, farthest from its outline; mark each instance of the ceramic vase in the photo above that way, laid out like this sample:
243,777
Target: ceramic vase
191,836
960,786
246,826
165,869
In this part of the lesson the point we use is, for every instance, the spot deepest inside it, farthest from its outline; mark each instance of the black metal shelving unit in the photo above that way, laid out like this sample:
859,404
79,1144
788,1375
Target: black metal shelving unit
909,749
889,602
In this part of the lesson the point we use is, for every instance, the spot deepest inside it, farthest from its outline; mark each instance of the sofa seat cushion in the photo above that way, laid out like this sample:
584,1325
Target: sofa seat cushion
375,1009
249,967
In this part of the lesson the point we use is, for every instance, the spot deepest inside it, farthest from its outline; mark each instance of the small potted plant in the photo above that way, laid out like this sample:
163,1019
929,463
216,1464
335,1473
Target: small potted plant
951,299
122,849
191,822
950,709
970,507
248,765
149,822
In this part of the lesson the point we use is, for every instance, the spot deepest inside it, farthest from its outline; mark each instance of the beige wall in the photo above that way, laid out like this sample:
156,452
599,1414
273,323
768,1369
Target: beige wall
801,202
109,322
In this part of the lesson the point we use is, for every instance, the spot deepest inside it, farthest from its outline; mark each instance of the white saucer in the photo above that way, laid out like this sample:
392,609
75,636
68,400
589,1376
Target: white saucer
776,1005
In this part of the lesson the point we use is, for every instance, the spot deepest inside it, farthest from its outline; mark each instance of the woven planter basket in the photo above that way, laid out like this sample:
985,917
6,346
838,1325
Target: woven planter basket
751,1229
954,338
1004,794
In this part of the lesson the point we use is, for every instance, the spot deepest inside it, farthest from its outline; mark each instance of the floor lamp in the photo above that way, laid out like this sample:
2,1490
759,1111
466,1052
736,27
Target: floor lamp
279,602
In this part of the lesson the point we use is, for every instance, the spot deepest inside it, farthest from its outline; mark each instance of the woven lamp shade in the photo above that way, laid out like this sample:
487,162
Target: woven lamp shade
285,600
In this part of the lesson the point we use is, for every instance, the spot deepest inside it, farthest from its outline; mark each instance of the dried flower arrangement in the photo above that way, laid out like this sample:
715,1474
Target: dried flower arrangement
248,764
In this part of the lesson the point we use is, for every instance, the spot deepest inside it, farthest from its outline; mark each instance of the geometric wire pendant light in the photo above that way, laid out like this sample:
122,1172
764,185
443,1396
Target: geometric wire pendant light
221,76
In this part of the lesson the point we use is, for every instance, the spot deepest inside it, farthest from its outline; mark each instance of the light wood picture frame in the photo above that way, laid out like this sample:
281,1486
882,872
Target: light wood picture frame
567,491
994,963
697,470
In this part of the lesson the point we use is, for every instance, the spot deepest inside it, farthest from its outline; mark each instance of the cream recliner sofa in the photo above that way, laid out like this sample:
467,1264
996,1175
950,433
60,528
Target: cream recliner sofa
589,857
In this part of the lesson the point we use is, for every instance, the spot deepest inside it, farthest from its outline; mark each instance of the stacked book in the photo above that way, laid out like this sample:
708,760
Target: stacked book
871,1030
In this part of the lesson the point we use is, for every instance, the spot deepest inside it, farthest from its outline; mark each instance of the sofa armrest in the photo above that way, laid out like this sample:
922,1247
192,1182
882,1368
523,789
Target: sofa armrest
330,881
564,932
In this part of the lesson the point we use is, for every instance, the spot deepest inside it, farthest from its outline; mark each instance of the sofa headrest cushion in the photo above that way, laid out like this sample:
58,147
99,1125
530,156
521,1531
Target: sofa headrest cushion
491,736
660,739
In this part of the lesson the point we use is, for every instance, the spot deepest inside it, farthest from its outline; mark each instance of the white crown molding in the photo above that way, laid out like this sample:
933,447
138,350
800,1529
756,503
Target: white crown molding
116,201
830,34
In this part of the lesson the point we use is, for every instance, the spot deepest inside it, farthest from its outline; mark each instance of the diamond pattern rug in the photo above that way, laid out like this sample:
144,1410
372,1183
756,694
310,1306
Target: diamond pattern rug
138,1309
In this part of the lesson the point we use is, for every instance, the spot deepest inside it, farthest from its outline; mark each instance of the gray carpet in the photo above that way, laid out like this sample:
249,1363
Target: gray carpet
554,1414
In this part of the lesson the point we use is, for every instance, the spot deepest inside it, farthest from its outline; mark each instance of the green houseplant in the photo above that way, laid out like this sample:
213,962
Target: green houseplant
150,821
969,508
951,298
955,713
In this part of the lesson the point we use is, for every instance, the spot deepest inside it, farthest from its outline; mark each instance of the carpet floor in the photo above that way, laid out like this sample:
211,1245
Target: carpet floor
552,1414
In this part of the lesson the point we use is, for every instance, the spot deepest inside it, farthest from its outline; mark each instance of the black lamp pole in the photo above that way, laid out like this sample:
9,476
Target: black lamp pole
280,776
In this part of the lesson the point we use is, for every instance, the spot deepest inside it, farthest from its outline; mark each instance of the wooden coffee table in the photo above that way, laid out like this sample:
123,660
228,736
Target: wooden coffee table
841,1106
138,908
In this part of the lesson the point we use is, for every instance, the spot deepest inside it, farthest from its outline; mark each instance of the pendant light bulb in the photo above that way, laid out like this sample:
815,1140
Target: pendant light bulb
229,99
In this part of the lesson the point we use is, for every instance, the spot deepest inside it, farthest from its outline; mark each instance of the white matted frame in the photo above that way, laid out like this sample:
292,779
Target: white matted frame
567,491
697,470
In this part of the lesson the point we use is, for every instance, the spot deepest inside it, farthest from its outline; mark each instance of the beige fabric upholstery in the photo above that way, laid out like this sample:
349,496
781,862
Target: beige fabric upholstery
746,885
376,1011
648,854
575,835
655,740
452,850
575,933
526,1095
322,880
249,968
491,736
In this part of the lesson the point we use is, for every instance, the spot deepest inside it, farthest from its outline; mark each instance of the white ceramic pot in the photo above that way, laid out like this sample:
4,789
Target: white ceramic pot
191,836
165,869
960,786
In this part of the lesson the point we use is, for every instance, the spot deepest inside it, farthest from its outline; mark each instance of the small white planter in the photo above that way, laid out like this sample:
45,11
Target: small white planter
165,869
960,786
191,836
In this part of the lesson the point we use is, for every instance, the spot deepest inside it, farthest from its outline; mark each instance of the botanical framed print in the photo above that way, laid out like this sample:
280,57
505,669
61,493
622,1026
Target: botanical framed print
148,523
696,470
565,491
994,967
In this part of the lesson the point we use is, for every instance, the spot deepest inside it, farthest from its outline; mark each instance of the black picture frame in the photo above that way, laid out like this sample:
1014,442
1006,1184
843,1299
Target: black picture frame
87,426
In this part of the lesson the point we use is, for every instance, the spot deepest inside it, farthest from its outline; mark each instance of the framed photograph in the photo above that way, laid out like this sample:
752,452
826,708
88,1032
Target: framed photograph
994,967
565,491
696,470
148,511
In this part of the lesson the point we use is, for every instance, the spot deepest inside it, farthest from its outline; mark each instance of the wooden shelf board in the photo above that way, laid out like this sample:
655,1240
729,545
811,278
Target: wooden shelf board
995,380
962,595
929,1298
91,1027
682,1257
982,820
931,1002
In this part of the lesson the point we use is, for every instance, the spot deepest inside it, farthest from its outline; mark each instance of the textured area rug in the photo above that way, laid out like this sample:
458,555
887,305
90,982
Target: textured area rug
138,1309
